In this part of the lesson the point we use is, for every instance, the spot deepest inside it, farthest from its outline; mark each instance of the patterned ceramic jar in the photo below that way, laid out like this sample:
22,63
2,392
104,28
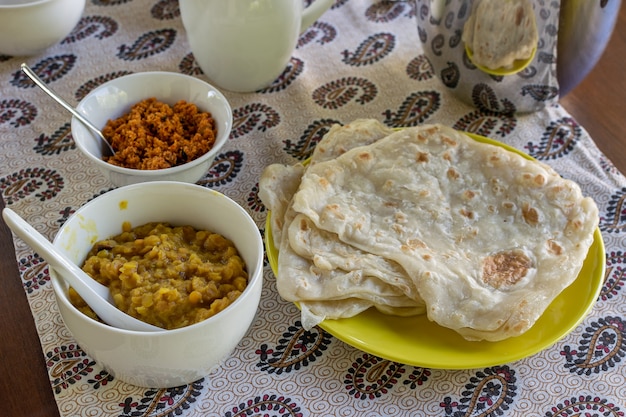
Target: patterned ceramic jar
577,29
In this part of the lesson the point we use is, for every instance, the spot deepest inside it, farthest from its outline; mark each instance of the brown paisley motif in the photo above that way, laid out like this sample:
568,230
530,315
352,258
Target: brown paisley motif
42,183
253,116
371,377
371,50
49,70
557,141
34,272
415,109
489,393
98,27
450,75
420,69
321,32
189,66
303,148
576,406
546,58
16,113
340,92
528,72
254,201
424,12
456,39
540,92
437,44
488,124
449,20
602,346
60,141
485,99
147,45
269,405
615,277
614,220
463,11
163,401
86,88
387,10
291,72
165,10
296,348
67,364
224,169
417,377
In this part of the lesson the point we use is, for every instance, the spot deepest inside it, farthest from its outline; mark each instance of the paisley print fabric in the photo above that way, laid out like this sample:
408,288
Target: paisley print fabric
360,59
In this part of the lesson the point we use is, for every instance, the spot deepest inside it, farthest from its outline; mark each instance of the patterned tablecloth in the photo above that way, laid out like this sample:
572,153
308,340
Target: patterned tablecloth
361,59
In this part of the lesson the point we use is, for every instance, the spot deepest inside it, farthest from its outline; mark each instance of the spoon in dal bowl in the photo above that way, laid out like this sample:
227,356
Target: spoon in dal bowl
96,295
107,149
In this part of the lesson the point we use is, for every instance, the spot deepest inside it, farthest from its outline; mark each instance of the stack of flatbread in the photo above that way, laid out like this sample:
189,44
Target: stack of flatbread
425,220
499,32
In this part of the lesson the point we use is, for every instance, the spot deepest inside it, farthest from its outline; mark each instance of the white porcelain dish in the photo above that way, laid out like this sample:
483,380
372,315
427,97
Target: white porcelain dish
115,98
174,357
28,27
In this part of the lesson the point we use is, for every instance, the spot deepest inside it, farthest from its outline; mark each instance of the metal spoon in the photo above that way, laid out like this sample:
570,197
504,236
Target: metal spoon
108,149
96,295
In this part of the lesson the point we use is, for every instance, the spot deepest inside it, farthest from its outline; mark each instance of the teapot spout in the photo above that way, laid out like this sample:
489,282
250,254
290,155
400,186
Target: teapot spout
313,12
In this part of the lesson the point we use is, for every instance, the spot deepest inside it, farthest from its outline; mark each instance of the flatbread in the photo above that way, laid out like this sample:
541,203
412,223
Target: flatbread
326,277
279,182
277,186
487,237
499,32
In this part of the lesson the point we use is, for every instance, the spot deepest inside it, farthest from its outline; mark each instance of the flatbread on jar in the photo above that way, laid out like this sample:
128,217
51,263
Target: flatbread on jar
487,237
499,32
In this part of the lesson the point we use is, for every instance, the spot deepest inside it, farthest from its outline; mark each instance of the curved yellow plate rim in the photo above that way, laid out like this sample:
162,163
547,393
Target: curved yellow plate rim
517,66
433,346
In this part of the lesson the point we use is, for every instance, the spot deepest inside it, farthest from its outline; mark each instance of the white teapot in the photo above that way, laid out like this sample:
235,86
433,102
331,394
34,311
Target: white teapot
244,45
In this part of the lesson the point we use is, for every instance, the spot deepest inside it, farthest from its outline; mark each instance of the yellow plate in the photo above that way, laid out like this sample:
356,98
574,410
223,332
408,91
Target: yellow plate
517,66
417,341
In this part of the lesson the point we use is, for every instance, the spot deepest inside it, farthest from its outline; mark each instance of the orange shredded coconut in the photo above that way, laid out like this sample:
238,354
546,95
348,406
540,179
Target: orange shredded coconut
155,135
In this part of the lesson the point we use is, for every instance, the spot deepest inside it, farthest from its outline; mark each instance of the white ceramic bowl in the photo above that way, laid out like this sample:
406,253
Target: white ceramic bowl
28,27
173,357
115,98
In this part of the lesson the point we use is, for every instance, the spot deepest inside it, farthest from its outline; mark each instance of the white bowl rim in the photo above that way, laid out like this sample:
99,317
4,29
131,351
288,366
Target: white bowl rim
155,172
24,4
58,287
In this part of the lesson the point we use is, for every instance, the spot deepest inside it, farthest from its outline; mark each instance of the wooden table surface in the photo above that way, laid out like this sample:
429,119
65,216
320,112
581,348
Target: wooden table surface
597,104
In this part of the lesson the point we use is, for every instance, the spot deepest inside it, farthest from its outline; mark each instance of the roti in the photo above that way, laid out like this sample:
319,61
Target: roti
499,32
428,221
327,278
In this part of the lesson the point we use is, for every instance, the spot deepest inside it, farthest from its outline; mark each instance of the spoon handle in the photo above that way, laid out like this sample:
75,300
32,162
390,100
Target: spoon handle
47,251
35,78
96,295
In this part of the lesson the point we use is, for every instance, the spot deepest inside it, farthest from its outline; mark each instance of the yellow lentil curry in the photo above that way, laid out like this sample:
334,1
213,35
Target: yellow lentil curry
167,276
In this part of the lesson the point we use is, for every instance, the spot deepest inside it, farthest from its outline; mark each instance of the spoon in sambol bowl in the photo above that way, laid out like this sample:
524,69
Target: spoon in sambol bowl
107,149
96,295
